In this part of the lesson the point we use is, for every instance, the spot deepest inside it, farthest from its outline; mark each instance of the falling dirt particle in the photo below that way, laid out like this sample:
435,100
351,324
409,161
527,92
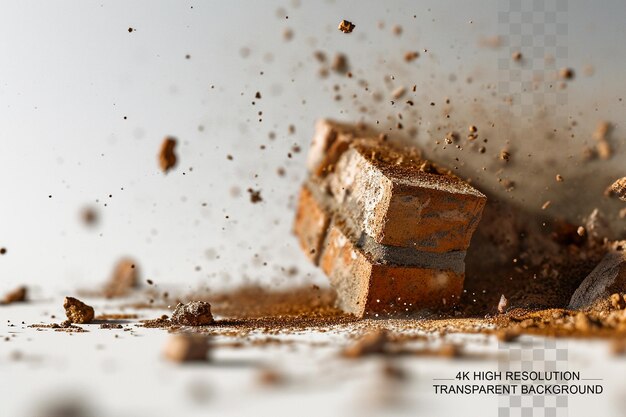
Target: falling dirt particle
566,73
346,26
618,188
396,30
149,281
411,56
130,30
269,377
257,95
502,304
505,156
559,178
622,213
604,150
340,63
186,347
187,56
473,129
89,216
517,56
18,295
288,34
77,311
320,56
167,156
255,196
546,205
3,251
195,313
580,231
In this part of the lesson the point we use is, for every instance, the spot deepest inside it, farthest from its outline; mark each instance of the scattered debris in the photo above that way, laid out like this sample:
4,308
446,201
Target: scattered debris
77,311
194,313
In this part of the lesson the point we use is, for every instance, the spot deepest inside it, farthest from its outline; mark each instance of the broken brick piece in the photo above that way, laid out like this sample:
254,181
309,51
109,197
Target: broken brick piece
369,287
77,311
185,347
311,224
194,313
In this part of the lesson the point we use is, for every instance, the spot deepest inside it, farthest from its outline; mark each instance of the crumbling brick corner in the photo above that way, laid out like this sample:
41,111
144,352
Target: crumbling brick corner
389,228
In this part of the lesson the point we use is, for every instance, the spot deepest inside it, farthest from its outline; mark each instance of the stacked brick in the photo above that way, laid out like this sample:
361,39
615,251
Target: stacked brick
387,227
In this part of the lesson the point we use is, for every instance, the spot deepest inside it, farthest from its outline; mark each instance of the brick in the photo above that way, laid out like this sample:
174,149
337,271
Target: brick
388,228
398,202
366,287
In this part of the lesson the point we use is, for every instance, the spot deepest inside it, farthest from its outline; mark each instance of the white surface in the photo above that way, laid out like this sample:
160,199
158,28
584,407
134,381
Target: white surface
127,376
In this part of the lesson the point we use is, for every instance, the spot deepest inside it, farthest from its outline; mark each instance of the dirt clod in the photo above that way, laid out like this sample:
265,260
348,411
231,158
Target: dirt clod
167,156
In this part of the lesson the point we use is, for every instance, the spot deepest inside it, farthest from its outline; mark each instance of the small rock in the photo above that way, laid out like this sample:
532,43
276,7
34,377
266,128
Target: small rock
195,313
607,278
185,347
77,311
